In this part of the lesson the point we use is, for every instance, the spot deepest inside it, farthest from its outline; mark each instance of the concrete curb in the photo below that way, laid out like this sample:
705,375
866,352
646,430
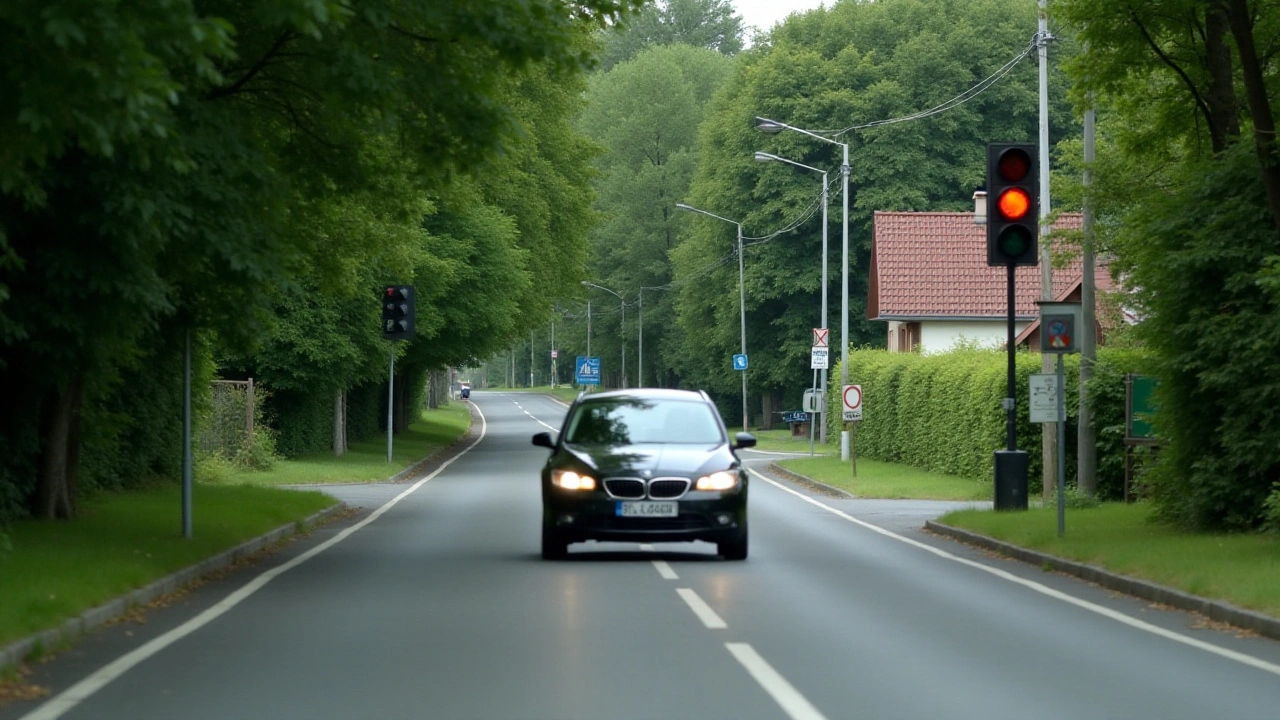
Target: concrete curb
809,482
1216,610
15,653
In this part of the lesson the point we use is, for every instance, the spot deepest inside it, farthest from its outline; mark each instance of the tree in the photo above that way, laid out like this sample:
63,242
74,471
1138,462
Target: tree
841,71
709,24
1191,214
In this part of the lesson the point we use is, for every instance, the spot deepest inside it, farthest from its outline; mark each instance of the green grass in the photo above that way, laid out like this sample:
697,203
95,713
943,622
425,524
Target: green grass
123,541
781,441
877,479
1243,569
365,461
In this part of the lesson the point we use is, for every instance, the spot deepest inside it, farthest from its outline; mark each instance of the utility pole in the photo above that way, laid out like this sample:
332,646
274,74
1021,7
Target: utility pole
1049,442
1087,451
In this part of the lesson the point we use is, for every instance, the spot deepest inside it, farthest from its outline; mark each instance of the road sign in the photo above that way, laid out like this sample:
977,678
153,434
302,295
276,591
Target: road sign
739,361
1044,398
587,370
820,336
813,401
554,354
852,397
795,416
818,358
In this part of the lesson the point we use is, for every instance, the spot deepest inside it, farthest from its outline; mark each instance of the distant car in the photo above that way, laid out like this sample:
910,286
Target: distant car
644,465
465,392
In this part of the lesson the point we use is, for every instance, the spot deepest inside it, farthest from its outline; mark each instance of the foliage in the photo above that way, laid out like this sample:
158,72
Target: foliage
942,412
710,24
850,65
646,113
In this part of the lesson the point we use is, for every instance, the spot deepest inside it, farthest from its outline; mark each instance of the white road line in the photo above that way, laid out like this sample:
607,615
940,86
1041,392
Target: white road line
665,570
1119,617
788,698
81,691
646,547
701,609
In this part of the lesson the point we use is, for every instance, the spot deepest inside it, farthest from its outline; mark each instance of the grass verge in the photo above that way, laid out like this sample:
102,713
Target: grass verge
1243,569
123,541
877,479
365,461
781,441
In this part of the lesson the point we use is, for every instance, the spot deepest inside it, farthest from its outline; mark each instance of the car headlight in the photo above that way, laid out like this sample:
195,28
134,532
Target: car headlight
570,480
723,480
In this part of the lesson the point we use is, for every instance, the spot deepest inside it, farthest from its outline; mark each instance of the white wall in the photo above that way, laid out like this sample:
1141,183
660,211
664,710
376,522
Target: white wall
940,336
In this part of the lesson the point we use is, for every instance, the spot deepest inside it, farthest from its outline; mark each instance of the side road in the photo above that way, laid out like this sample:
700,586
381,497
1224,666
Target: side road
1216,610
251,551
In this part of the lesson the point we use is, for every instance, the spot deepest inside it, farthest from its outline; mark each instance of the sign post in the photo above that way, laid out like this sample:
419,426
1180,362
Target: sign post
1059,332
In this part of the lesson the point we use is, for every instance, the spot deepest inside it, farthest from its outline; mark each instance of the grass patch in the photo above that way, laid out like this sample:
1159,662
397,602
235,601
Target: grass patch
888,480
780,440
123,541
365,461
1241,568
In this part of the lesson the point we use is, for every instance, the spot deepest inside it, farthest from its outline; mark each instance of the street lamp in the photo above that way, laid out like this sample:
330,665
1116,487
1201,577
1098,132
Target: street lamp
640,353
621,327
773,127
742,303
770,157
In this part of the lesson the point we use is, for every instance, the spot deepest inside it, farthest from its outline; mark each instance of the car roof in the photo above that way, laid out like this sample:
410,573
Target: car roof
649,394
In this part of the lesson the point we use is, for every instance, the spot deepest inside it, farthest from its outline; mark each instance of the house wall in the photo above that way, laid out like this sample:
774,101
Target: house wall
940,335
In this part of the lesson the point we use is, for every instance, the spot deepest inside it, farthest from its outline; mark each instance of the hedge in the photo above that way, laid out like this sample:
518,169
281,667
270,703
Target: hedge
942,412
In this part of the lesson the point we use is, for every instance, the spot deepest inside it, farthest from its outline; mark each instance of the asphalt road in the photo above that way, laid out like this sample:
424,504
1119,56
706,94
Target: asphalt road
438,606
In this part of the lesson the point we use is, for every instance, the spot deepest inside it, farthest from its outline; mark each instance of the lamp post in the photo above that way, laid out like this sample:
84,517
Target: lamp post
822,323
640,353
772,127
621,327
742,302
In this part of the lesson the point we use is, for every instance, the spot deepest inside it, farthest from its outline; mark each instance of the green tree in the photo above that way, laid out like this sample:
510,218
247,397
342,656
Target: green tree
646,113
710,24
840,72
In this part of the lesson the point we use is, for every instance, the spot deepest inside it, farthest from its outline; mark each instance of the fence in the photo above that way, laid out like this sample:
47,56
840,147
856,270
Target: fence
227,430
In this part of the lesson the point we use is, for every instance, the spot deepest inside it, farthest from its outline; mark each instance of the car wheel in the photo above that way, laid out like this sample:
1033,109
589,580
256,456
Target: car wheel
554,546
734,549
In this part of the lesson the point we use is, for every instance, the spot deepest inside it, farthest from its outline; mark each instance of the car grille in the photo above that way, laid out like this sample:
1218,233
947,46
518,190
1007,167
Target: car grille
628,488
682,522
668,488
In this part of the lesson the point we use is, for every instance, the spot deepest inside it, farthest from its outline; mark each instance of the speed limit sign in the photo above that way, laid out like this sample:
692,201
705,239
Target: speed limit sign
852,402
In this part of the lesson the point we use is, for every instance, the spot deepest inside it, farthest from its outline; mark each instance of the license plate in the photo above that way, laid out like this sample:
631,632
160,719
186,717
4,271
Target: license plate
648,509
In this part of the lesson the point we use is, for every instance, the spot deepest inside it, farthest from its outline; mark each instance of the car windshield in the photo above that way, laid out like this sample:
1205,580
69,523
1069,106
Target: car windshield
629,421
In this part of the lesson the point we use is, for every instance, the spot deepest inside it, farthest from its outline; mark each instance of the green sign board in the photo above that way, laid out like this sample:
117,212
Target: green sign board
1139,406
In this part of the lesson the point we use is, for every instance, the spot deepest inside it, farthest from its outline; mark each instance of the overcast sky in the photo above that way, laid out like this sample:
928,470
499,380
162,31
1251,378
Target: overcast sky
764,14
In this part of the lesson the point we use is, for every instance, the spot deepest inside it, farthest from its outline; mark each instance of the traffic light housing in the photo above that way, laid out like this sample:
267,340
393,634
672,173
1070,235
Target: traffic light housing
1013,214
398,310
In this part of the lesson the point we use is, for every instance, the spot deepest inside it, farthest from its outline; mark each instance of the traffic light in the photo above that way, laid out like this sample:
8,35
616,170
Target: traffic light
397,312
1013,222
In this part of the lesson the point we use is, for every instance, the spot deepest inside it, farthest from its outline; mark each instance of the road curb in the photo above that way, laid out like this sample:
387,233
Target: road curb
1216,610
14,654
809,482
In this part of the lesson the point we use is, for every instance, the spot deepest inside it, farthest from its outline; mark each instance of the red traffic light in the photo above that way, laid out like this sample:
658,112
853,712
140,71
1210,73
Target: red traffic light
1014,203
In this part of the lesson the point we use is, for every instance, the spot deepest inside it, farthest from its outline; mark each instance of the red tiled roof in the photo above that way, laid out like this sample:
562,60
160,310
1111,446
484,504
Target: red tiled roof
932,265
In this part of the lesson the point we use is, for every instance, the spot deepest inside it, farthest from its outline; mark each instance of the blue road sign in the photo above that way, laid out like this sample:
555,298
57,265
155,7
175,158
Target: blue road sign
587,370
739,361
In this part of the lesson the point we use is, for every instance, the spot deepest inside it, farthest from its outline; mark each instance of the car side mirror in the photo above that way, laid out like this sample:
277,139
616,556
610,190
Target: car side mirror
543,439
744,440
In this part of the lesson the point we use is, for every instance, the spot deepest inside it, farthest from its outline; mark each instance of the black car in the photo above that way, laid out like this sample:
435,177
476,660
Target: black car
644,465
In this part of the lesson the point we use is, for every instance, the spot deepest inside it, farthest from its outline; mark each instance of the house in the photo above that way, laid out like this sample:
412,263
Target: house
930,282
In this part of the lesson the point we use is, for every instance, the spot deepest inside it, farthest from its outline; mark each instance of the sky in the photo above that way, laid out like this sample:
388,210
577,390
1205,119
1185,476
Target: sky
764,14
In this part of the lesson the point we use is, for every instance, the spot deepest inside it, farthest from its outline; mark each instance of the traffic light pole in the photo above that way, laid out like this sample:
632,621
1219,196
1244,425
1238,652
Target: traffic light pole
1011,403
391,399
1011,464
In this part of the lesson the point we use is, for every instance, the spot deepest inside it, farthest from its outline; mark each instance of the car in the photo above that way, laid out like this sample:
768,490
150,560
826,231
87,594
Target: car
465,391
644,465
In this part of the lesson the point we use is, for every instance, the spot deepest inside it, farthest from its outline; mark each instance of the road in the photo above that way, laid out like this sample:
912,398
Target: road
432,602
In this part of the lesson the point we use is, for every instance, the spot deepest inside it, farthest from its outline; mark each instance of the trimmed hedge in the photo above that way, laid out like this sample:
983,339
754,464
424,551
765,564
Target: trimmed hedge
943,412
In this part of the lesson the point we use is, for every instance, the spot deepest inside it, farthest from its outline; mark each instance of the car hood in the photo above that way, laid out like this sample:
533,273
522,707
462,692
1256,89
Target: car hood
658,459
